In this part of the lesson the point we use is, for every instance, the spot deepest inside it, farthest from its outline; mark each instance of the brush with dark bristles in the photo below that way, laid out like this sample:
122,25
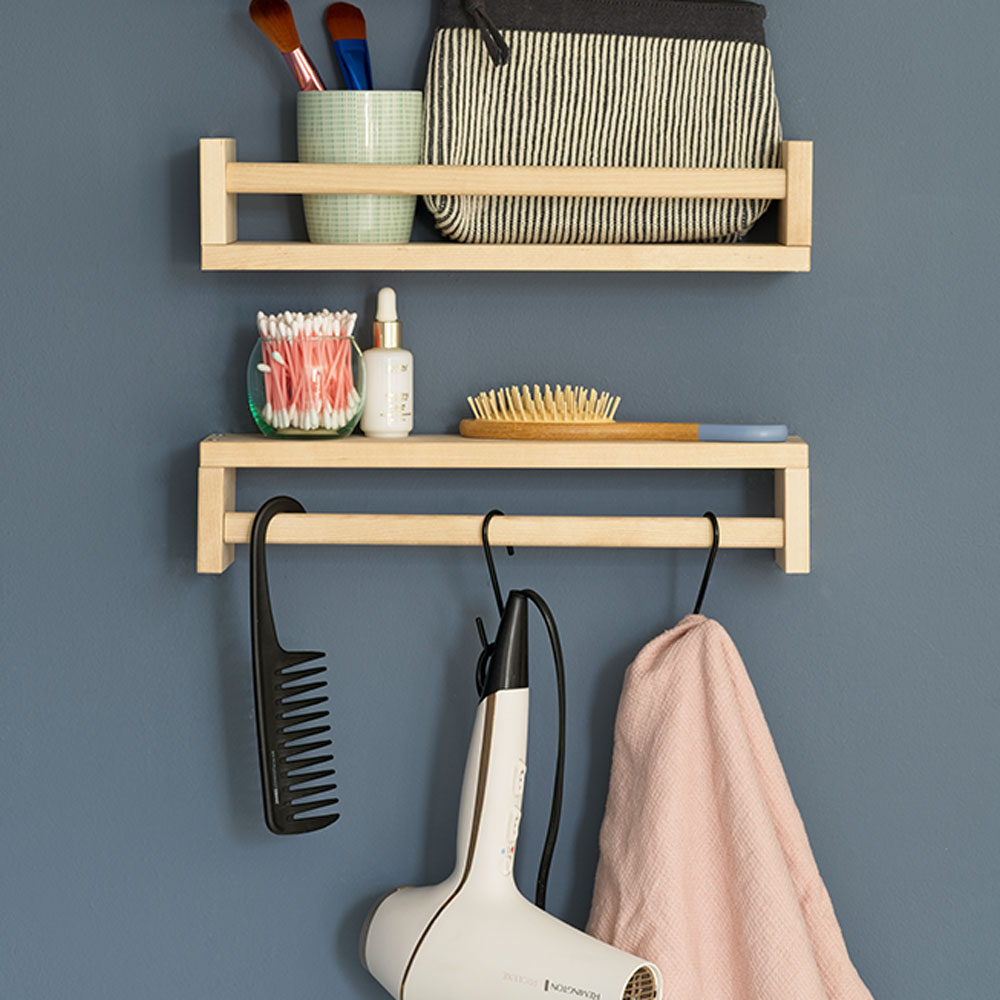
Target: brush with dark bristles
274,18
290,747
346,25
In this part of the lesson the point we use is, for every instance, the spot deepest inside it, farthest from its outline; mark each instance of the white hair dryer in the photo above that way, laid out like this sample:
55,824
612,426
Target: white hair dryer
474,935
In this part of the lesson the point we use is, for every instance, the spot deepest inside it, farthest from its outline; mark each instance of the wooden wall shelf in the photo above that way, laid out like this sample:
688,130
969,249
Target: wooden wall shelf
221,526
223,178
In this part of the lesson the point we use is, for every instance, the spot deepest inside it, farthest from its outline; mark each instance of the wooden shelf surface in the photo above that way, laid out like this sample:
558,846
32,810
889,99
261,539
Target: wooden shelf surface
451,451
637,257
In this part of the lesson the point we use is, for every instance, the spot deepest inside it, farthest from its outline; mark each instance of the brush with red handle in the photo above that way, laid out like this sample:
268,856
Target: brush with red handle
346,25
274,18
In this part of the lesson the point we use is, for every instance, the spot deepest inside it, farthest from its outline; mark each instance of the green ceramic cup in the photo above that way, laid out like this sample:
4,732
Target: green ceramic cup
360,126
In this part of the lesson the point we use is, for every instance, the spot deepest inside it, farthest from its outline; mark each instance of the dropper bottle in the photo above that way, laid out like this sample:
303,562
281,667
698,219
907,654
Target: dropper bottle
388,409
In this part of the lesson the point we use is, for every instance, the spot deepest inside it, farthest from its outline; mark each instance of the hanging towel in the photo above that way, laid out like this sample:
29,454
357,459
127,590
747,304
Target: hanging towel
705,867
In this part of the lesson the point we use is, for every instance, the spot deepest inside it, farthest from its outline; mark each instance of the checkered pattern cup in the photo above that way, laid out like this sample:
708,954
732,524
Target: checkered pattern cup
360,126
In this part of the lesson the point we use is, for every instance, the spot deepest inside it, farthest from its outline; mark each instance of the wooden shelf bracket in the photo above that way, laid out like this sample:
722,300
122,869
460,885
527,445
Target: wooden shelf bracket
221,526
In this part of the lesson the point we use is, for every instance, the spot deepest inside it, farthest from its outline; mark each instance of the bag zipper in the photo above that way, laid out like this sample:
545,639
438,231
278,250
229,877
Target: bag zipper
496,45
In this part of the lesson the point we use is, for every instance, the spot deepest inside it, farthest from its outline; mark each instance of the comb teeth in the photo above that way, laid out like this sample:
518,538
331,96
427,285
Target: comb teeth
290,660
288,766
295,805
312,822
294,773
303,688
296,720
300,734
307,748
300,703
298,792
295,781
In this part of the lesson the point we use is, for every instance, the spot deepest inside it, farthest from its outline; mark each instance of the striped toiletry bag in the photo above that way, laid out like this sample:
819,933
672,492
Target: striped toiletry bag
599,83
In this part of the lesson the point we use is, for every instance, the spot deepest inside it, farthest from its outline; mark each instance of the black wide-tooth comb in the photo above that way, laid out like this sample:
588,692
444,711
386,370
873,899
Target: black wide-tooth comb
286,740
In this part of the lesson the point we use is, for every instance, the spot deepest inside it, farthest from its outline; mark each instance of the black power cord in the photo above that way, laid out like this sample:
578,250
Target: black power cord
557,656
557,789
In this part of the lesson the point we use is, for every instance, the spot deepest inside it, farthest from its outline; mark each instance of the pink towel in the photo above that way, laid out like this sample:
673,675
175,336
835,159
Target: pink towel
705,866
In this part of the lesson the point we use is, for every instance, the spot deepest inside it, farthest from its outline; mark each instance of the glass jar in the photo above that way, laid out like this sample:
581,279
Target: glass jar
306,386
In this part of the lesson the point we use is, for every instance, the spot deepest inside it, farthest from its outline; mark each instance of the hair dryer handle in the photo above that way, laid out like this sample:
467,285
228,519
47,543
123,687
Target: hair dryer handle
489,814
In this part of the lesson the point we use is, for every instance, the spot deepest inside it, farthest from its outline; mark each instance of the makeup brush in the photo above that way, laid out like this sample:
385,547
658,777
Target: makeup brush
346,25
274,18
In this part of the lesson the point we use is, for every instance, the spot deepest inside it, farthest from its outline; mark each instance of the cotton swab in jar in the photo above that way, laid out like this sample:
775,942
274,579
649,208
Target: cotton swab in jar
306,361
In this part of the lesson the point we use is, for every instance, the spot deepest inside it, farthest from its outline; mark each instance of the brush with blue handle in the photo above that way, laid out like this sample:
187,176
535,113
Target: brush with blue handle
572,413
346,25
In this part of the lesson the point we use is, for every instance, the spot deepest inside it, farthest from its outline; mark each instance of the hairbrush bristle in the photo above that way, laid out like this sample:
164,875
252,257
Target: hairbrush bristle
275,19
344,20
569,403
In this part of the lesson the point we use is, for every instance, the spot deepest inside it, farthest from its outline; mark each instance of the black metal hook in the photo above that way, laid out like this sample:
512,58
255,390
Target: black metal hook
711,560
488,552
491,566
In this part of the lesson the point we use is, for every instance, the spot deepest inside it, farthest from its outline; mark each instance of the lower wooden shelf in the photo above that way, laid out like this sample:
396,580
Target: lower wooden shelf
221,526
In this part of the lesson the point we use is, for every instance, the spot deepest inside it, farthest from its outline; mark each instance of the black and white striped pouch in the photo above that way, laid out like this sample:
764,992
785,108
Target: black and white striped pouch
602,83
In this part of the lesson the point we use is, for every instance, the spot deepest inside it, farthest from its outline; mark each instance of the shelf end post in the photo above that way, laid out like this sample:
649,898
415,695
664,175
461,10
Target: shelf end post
218,206
216,498
795,210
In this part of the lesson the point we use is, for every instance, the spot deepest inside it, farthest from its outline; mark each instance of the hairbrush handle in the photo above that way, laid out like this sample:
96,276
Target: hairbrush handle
615,431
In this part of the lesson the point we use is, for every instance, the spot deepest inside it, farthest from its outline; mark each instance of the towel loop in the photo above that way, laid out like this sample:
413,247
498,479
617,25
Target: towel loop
711,560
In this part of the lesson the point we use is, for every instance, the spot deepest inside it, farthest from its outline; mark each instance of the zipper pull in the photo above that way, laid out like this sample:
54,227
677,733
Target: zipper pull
497,47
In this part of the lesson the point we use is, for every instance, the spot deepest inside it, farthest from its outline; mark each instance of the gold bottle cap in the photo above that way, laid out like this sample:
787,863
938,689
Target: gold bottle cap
389,334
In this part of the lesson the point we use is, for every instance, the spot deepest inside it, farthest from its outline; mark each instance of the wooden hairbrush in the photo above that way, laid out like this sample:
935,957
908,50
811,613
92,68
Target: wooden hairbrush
573,413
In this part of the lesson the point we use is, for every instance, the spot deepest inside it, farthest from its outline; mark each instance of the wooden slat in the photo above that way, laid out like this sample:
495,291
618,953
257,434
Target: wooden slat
434,256
450,451
649,182
460,529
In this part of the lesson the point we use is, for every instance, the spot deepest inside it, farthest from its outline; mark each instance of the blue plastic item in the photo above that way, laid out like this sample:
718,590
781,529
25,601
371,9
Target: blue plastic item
742,432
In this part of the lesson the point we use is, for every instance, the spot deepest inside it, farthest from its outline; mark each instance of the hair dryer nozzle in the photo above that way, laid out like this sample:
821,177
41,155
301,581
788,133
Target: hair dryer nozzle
496,947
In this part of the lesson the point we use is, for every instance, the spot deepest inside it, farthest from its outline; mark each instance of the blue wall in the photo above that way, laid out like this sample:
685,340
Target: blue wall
133,858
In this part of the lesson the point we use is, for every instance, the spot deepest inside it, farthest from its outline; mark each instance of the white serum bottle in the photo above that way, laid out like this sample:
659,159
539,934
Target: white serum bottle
388,409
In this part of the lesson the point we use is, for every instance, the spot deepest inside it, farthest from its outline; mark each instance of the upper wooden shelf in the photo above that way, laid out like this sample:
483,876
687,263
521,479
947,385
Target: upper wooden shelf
221,526
223,178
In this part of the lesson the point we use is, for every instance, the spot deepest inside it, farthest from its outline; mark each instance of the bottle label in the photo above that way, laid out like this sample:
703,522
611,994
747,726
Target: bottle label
397,406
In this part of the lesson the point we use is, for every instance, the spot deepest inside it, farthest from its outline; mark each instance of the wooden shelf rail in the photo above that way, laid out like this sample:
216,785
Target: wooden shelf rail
223,177
221,526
